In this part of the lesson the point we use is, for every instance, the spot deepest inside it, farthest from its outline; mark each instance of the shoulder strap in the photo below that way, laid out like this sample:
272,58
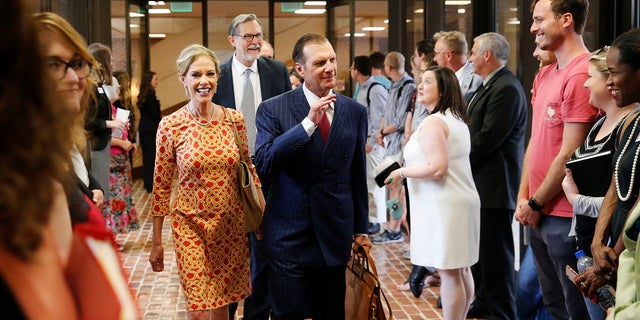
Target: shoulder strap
369,92
402,87
235,130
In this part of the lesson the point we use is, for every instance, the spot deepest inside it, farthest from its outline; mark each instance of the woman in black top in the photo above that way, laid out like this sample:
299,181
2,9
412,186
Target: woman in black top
150,116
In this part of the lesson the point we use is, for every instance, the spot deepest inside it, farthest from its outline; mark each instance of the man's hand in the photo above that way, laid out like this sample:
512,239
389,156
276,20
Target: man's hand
362,241
316,112
525,215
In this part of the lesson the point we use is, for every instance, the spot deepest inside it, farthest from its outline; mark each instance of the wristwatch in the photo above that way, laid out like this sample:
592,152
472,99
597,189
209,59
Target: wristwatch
535,205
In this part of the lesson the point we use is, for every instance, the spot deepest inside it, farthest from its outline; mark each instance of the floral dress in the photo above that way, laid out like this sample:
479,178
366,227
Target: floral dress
206,215
119,211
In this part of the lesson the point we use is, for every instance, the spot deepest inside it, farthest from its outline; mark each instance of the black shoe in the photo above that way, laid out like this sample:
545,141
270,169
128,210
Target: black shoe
439,302
477,310
373,228
416,280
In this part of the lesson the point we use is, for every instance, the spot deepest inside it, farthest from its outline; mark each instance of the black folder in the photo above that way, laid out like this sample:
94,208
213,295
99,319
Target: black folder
384,169
592,174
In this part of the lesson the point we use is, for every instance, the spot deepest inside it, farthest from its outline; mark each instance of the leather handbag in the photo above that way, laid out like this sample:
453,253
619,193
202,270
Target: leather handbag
364,295
250,195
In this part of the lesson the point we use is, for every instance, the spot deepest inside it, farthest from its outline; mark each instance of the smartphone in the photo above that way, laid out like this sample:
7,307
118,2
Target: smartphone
572,274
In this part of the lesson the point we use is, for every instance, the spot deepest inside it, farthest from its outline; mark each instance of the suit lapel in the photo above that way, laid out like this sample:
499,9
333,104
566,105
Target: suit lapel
265,84
481,91
228,83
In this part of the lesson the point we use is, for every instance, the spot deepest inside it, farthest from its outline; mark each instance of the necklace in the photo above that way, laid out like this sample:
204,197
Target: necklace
633,167
195,113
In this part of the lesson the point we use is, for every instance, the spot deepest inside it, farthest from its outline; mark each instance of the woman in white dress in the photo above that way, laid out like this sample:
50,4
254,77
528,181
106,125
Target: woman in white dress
445,224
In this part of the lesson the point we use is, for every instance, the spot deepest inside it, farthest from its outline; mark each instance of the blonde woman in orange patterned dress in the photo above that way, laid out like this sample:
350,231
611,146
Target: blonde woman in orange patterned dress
198,142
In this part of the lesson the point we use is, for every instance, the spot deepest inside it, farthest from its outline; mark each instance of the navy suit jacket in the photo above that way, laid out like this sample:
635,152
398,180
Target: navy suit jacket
498,115
318,195
274,80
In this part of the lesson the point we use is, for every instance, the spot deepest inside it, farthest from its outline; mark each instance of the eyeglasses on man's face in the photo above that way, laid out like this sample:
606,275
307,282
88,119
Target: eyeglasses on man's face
248,37
435,53
59,68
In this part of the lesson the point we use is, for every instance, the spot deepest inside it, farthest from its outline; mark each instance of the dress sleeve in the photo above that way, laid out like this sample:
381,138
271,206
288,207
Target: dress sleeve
164,167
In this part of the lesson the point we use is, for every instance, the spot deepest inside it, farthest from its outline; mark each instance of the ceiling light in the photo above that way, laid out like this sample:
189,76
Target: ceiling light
356,34
386,21
135,15
315,3
310,11
513,21
157,35
156,3
462,10
159,11
419,11
457,3
373,28
134,25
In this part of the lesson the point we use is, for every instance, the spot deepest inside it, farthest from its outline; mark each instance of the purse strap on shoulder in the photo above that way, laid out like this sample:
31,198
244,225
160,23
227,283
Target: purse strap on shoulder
235,132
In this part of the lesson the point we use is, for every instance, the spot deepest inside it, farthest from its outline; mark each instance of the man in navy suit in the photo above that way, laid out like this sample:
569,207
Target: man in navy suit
498,113
311,147
268,78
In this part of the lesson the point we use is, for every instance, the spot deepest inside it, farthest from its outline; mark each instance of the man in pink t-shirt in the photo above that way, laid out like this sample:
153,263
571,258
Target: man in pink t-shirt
561,120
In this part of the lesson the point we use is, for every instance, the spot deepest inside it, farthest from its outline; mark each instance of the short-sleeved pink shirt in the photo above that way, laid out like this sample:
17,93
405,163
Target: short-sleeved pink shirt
558,98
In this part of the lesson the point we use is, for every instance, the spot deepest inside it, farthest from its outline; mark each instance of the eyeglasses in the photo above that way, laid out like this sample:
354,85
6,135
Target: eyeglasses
435,53
249,37
59,68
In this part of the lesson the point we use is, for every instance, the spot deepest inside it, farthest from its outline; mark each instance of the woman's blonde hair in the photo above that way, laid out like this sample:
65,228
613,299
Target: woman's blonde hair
190,53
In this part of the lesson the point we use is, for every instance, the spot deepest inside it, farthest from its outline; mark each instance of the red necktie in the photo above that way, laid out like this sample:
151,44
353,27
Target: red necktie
324,126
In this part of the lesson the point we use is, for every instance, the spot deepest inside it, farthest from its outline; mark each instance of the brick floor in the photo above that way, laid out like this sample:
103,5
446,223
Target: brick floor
160,296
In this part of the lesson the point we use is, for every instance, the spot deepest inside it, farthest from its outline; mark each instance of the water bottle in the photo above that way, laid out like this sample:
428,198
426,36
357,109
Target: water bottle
606,293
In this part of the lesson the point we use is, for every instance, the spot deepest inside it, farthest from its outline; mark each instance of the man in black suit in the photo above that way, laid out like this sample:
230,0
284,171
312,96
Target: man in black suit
268,78
311,147
498,113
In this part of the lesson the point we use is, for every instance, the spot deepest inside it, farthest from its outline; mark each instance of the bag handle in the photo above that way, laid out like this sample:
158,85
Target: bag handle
366,252
235,132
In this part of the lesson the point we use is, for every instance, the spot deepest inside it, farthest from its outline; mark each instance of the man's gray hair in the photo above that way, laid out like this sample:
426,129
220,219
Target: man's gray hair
494,42
242,18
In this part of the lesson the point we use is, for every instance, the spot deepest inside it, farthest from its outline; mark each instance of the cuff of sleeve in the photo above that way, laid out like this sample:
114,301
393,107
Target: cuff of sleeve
309,126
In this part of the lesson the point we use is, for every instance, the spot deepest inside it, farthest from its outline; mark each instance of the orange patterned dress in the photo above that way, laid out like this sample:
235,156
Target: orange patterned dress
206,217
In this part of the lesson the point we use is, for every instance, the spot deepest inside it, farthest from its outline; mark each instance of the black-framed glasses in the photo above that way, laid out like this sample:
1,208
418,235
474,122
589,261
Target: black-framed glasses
248,37
59,68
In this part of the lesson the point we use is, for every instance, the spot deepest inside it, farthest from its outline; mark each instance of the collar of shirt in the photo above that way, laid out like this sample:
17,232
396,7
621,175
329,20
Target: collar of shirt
239,68
460,73
486,80
238,80
312,99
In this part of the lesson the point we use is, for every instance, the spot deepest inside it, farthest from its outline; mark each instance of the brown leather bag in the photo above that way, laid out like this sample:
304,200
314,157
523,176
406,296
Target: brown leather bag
251,196
363,299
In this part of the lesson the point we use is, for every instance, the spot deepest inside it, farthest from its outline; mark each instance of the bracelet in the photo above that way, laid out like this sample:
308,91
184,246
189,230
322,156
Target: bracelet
402,175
